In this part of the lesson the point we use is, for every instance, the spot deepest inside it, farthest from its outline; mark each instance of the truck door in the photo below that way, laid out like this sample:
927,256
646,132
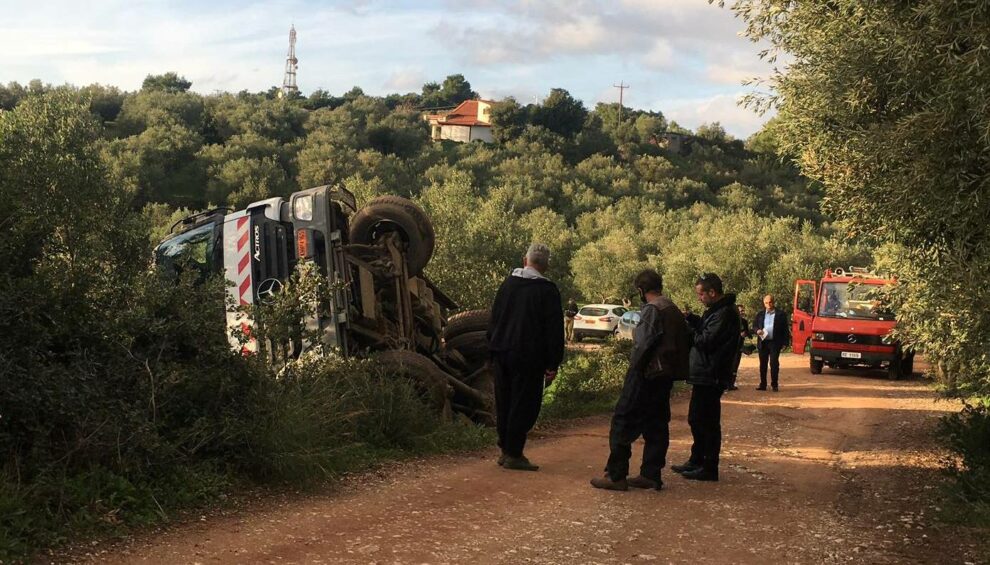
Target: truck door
804,313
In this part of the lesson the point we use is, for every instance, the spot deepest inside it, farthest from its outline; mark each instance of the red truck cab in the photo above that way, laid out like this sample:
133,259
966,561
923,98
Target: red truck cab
843,321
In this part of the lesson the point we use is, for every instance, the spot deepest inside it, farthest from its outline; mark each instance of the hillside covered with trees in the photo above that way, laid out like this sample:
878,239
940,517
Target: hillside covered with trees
597,185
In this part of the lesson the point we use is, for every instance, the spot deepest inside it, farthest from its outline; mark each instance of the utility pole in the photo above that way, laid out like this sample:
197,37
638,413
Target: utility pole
291,64
622,87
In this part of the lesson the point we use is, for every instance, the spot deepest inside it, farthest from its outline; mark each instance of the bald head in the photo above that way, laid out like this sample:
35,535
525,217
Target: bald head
768,302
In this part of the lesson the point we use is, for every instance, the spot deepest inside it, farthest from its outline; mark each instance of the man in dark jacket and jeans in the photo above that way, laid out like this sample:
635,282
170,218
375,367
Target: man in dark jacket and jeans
526,340
713,354
659,357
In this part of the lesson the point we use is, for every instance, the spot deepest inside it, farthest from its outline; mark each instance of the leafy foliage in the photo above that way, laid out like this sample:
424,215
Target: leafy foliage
885,103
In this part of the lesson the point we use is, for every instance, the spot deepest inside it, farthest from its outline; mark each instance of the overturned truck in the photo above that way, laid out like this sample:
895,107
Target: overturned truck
382,305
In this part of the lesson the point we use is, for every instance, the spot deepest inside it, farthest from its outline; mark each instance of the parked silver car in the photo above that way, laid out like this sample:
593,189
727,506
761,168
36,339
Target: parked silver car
627,323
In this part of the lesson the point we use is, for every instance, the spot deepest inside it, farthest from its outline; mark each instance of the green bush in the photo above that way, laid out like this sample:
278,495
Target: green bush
589,382
968,436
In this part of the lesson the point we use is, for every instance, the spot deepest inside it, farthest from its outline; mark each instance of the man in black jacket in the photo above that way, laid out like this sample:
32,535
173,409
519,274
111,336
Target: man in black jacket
526,340
773,331
659,357
716,342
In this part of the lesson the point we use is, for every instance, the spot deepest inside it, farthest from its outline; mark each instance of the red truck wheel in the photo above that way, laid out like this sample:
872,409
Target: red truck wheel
816,366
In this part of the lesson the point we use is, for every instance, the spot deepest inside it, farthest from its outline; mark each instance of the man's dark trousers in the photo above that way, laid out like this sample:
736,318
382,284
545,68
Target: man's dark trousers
518,398
769,354
705,418
643,410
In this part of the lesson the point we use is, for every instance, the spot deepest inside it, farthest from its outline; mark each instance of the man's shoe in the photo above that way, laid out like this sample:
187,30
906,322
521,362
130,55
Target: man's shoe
732,387
776,389
518,464
761,387
685,467
639,481
701,475
501,459
608,484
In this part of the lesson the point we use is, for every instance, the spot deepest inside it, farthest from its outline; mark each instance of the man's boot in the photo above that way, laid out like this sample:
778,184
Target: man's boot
608,484
639,481
518,463
685,467
701,475
501,459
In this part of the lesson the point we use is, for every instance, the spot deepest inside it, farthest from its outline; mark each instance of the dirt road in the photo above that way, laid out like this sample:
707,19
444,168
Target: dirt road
837,468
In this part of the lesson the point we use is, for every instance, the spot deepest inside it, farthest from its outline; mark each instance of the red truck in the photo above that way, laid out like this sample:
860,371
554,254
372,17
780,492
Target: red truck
844,323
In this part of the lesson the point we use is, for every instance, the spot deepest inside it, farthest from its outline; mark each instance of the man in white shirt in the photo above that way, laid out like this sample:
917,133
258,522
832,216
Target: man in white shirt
773,331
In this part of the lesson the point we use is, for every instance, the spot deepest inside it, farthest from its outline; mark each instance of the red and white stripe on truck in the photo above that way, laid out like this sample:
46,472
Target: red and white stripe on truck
237,269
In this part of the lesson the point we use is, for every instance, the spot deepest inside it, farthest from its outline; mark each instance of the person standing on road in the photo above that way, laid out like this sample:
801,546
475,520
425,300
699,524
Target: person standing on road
526,341
659,357
743,334
715,343
569,314
773,334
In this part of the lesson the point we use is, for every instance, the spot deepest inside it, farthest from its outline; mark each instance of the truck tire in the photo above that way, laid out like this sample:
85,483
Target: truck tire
907,366
464,322
896,368
816,366
396,214
428,378
472,345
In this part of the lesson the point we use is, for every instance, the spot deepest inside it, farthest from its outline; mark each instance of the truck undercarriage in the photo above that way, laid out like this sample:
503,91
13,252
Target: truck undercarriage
381,304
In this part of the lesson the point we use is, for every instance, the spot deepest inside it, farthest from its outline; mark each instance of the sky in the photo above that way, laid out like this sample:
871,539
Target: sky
684,58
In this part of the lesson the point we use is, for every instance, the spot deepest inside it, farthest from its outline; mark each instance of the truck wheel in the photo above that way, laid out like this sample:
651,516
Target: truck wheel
396,214
429,380
907,366
472,345
464,322
895,370
816,366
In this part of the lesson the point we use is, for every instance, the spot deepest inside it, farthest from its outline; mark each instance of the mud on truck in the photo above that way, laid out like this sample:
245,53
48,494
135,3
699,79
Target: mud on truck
842,320
383,306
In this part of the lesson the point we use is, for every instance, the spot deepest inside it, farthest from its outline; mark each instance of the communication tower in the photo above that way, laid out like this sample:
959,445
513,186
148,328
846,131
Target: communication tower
291,64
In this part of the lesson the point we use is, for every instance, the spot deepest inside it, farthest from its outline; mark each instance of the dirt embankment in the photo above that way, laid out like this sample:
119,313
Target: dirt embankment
838,468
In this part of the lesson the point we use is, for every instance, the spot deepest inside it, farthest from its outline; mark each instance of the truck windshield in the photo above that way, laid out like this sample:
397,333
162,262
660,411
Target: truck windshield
853,300
192,250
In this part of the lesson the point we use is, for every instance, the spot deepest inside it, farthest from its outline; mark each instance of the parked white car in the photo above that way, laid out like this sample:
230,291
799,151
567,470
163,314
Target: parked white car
597,320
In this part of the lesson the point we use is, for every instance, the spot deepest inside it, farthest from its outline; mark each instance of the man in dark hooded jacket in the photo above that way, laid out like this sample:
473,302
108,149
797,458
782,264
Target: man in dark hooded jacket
526,340
659,357
713,353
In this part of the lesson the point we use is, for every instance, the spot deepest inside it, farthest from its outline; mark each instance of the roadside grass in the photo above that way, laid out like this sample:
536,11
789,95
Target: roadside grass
318,420
588,383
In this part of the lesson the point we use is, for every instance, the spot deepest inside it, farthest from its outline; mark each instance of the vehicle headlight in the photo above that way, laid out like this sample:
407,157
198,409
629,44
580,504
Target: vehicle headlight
302,208
818,336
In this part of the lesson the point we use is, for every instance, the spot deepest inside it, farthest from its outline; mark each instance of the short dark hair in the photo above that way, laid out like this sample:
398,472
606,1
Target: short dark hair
709,281
648,281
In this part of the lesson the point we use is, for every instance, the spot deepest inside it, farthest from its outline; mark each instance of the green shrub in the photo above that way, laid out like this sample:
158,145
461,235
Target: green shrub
589,382
968,436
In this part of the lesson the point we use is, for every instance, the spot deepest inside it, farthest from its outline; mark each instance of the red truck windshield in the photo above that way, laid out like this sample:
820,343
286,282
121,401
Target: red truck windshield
855,300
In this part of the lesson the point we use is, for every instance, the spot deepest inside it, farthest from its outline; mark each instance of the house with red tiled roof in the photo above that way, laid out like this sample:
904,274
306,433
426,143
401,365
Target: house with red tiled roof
469,121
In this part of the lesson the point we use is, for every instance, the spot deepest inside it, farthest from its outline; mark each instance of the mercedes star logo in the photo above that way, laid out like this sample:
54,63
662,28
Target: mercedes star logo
269,288
851,338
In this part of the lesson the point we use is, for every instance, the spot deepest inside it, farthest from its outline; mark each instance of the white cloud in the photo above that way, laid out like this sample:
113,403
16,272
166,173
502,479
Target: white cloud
738,120
405,80
661,56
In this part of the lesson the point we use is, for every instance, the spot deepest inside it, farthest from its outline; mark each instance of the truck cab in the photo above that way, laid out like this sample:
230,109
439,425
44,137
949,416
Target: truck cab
843,321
